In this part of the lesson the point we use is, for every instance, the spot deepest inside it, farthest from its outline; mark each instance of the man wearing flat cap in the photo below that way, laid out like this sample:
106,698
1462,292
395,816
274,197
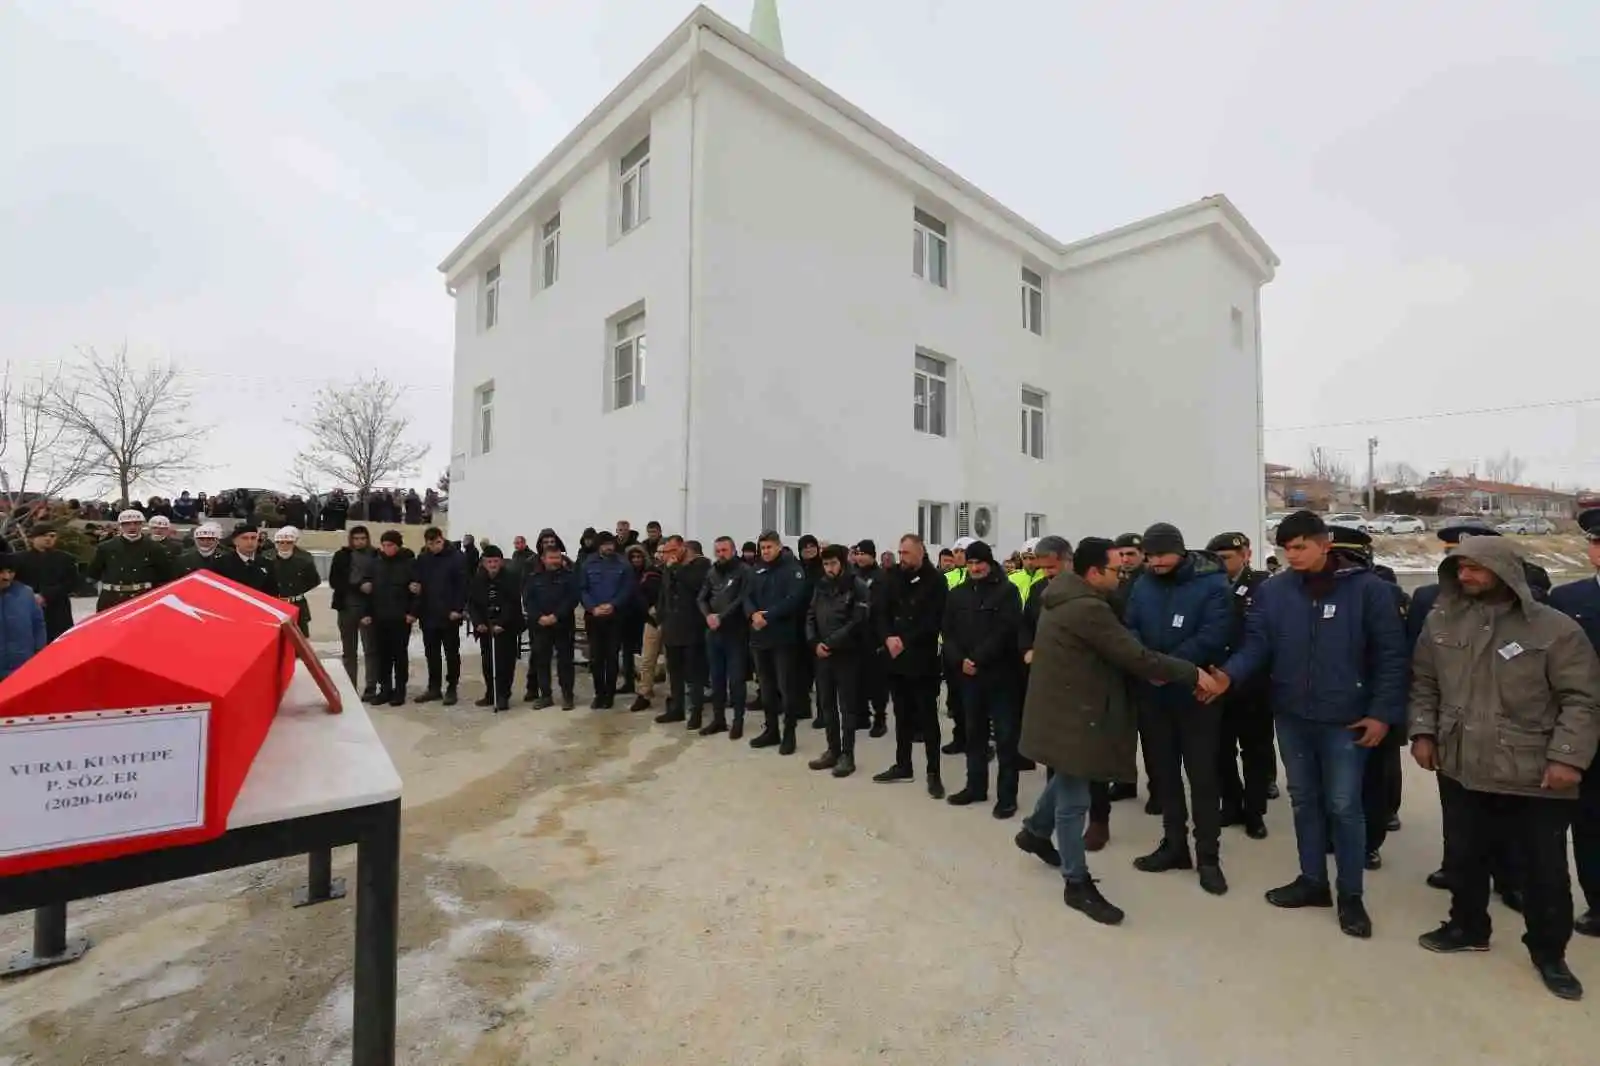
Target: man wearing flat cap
1580,601
982,616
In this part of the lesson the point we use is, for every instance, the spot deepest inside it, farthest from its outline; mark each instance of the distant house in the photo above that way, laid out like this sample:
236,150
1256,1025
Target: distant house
1287,490
1469,495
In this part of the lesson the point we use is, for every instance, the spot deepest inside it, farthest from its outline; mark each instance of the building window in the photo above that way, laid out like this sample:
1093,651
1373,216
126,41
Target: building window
933,521
1237,323
1033,423
783,508
928,396
491,296
550,252
1032,302
930,249
1033,525
627,363
636,186
484,438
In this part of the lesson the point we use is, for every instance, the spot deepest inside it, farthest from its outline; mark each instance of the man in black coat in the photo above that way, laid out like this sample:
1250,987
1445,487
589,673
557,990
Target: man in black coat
550,602
441,589
1580,601
52,574
838,627
389,608
776,604
494,602
908,630
805,661
982,617
683,631
873,684
1245,736
350,567
721,602
245,564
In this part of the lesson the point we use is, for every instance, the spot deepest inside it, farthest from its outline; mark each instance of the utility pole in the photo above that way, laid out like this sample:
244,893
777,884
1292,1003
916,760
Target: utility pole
1372,474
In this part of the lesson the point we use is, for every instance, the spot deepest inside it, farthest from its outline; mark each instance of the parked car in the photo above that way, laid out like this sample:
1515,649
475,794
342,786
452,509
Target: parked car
1275,519
1527,526
1349,519
1397,523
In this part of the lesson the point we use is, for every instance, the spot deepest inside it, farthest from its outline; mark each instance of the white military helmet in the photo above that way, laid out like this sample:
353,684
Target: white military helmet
1029,545
287,534
160,521
209,531
962,544
130,515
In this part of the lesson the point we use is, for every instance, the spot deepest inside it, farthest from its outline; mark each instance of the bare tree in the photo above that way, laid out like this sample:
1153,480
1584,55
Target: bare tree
37,459
130,421
1402,473
359,435
1505,467
1325,465
304,478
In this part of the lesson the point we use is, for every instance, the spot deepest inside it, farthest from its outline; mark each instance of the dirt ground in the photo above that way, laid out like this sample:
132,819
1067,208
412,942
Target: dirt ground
588,887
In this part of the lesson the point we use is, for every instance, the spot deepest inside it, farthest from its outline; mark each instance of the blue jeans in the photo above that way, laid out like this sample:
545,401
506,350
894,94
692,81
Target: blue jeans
725,656
1325,770
1063,806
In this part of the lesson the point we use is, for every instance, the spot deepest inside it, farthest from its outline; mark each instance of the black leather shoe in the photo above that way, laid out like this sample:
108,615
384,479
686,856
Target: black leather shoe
1165,857
1152,808
1037,846
668,717
1450,938
502,705
1374,861
769,738
788,745
1255,829
826,761
1512,898
1588,923
879,726
1438,880
845,767
1272,791
1002,811
1300,893
450,696
966,798
736,730
432,695
1559,979
935,787
894,773
483,701
1212,880
1353,919
1085,898
1394,823
953,748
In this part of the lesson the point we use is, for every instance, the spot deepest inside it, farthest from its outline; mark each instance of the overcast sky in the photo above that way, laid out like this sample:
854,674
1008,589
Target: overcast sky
262,191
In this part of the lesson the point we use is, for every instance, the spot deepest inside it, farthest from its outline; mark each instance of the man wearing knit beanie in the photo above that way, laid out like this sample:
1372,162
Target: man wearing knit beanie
1181,607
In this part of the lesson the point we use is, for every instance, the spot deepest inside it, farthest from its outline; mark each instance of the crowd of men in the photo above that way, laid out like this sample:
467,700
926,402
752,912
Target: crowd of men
326,511
1074,659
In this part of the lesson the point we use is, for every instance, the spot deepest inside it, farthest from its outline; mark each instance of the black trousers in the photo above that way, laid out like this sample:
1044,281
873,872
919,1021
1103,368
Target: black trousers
991,704
1505,861
1245,739
392,640
1476,823
1586,837
544,642
805,669
1183,740
778,681
872,680
839,698
1380,788
686,676
954,707
605,640
444,643
916,712
499,651
1099,800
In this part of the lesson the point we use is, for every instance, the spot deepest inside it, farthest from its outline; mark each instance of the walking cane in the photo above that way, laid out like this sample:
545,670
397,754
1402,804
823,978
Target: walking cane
494,667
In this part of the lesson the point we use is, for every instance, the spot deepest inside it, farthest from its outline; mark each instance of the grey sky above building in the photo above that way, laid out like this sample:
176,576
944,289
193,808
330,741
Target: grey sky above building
263,191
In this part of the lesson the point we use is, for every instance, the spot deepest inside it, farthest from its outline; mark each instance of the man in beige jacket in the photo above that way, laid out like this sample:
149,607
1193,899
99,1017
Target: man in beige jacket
1505,706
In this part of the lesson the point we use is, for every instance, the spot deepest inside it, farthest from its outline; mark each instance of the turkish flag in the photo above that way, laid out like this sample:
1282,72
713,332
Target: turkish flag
201,650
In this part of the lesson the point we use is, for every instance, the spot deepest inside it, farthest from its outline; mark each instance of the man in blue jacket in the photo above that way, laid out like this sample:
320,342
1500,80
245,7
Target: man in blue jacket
1182,607
1334,646
775,601
607,585
22,634
1580,601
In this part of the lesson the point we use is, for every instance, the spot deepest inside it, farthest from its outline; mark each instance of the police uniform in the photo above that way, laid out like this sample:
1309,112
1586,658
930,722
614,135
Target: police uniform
295,575
126,567
1580,601
1245,737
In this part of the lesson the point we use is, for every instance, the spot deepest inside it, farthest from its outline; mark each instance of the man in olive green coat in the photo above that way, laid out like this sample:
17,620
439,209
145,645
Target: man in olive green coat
1505,707
129,565
1078,719
296,573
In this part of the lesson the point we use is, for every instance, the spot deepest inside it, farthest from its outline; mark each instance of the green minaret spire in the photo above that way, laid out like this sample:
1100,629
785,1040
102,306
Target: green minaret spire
764,25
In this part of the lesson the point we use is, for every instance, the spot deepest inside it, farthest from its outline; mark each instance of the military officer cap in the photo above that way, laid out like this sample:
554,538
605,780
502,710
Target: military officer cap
1350,539
1589,522
1228,542
1454,533
1129,540
130,515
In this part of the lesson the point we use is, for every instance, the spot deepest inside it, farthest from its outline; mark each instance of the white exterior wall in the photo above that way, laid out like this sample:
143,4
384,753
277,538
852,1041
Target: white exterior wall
1164,410
560,458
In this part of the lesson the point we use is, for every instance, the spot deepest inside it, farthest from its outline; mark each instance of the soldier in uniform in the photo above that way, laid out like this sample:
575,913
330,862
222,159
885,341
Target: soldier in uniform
204,555
129,564
1246,736
244,564
1580,601
162,533
295,573
52,574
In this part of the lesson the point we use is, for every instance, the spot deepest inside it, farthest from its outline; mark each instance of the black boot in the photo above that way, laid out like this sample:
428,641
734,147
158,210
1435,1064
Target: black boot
880,724
1167,856
769,738
369,694
718,723
966,798
641,703
696,719
399,699
1559,979
429,695
1438,880
1255,828
1085,898
1353,919
1211,878
1450,939
1037,845
1300,893
450,696
935,785
846,766
668,716
567,702
736,730
826,761
787,746
897,772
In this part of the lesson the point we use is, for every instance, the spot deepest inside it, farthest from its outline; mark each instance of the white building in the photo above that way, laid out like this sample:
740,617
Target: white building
703,308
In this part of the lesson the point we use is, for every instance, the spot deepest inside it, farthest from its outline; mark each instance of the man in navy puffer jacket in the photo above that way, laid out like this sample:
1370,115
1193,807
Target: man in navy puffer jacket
1335,646
1182,606
22,633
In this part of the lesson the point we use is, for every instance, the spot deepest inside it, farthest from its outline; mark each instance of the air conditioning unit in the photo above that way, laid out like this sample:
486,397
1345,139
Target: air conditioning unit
980,520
